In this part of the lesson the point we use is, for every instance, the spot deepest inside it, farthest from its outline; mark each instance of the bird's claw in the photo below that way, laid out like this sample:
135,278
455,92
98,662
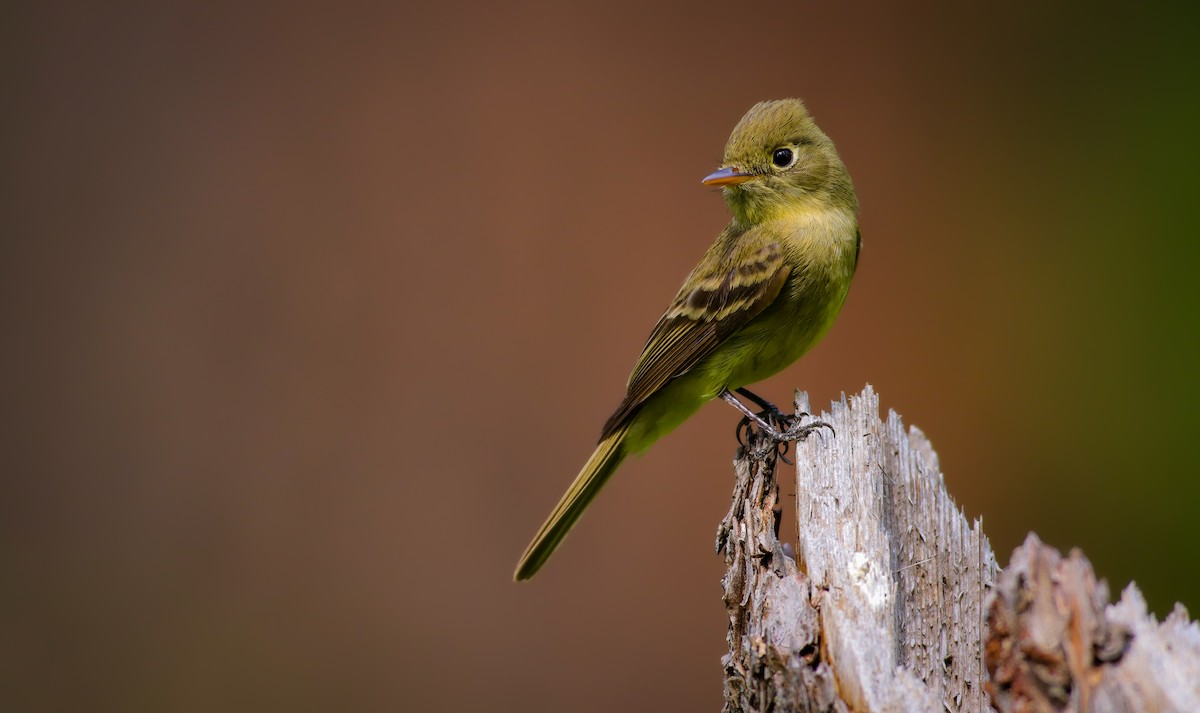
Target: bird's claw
782,430
800,431
779,424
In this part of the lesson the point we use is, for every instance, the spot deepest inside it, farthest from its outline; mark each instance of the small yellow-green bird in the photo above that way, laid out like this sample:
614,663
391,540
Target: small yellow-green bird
765,292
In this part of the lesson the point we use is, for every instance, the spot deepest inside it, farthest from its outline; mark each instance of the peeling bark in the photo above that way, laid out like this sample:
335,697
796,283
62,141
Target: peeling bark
1054,642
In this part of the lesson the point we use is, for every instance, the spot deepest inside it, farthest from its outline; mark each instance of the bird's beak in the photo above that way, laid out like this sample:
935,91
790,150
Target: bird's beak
726,177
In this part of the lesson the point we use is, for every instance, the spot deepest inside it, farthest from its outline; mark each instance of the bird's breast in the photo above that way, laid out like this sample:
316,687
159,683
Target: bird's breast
820,252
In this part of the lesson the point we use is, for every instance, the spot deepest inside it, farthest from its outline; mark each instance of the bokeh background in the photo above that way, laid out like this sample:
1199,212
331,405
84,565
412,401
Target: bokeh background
311,313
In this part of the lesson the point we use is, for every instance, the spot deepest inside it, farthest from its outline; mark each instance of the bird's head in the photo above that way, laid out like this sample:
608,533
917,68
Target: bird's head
778,162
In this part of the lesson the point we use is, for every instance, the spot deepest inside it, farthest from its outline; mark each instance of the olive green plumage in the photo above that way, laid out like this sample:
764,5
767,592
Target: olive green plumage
765,292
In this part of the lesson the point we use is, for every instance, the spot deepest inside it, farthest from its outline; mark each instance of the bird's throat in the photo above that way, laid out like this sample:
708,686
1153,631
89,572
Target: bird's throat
749,209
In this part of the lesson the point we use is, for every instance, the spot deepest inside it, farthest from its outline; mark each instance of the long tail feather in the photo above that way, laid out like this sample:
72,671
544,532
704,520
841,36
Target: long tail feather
604,461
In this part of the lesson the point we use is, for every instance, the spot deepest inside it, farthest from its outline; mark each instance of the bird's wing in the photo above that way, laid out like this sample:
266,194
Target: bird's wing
699,320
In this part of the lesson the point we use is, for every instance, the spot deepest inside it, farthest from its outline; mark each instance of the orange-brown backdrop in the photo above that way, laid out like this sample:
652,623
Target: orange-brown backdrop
310,314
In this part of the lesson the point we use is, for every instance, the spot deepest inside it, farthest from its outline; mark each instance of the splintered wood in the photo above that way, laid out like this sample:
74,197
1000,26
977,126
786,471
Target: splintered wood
885,604
887,589
1056,644
774,661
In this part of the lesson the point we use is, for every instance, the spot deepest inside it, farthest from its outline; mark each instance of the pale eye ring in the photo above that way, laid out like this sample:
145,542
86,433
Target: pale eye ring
783,157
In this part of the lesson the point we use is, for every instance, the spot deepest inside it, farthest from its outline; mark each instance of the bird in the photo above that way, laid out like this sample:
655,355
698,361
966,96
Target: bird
765,292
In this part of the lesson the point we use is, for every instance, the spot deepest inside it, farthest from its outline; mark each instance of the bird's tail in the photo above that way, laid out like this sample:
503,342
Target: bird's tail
604,461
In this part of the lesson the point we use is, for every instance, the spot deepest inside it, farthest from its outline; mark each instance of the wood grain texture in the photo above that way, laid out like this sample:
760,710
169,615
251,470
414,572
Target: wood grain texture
887,588
891,597
774,661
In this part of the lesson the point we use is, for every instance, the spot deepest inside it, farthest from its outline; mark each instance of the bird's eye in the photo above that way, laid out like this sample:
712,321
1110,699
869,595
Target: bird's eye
783,158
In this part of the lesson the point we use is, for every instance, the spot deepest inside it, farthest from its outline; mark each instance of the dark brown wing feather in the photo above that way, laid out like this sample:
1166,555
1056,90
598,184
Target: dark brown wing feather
698,321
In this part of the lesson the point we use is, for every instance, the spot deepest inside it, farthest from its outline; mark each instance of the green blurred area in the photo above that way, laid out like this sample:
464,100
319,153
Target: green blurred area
312,312
1102,304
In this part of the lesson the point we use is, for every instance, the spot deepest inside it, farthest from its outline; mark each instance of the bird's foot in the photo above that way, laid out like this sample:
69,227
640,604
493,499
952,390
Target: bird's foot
776,424
773,423
800,431
770,412
780,428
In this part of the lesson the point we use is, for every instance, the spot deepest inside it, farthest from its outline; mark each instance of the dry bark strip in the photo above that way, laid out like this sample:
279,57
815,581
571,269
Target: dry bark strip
885,605
1056,644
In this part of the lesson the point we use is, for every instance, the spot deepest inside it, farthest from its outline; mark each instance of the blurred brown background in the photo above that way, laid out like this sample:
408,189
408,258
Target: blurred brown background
311,313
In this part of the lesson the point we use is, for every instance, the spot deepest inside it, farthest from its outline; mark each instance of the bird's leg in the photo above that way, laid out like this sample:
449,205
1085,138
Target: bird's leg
770,411
758,400
766,422
751,417
792,427
772,415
